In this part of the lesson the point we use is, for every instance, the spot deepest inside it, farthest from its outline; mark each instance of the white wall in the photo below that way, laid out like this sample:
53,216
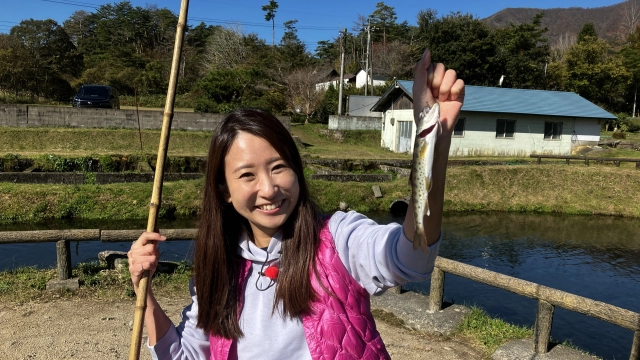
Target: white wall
479,137
362,78
389,136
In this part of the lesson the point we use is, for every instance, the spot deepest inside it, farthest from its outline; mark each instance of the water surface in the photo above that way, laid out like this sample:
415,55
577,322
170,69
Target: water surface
594,257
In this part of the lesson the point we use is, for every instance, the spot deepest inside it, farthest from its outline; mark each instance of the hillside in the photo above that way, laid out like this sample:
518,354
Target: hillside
562,21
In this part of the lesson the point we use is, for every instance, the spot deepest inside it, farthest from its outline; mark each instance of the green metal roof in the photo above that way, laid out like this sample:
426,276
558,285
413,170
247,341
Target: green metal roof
512,101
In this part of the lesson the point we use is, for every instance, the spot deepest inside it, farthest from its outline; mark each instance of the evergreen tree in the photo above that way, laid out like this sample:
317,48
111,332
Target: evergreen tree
587,31
270,15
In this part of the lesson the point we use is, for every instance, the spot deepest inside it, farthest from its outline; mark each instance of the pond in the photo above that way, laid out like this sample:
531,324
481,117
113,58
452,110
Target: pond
594,257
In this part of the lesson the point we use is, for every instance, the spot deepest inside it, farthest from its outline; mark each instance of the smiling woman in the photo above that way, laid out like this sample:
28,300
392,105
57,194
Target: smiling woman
261,186
270,268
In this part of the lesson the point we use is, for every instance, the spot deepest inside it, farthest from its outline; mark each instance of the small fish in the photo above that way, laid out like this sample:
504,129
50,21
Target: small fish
427,130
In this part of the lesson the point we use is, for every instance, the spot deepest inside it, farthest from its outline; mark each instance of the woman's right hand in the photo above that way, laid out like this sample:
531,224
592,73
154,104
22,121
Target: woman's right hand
144,255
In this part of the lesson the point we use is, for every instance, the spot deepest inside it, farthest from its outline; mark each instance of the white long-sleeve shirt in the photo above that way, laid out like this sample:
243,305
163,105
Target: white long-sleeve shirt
377,256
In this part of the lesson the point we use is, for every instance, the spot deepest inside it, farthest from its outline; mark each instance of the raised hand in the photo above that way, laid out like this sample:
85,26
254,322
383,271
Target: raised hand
433,83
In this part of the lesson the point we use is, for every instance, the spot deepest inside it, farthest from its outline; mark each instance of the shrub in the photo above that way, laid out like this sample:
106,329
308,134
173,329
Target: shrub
619,135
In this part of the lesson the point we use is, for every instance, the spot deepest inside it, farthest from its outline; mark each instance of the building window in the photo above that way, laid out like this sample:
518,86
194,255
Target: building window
505,128
552,130
458,130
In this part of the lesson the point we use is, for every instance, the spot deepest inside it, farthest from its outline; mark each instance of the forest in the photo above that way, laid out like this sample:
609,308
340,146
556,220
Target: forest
223,67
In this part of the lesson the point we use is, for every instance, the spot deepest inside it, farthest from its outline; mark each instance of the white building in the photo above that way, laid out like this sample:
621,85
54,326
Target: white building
333,78
500,121
362,78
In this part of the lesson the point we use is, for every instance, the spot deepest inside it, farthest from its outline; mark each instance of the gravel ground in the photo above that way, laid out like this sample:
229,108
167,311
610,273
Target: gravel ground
92,329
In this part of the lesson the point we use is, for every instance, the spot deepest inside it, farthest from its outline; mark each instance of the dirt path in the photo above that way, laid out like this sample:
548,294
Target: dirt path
90,329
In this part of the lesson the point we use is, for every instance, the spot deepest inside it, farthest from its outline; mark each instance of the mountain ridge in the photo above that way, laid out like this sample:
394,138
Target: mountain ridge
562,22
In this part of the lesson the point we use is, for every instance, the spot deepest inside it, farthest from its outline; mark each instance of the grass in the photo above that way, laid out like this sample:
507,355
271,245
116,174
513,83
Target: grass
593,190
633,137
87,142
358,144
490,333
319,142
27,284
24,202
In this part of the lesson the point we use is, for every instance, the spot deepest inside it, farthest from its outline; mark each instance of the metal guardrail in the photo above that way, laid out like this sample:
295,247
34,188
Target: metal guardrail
547,297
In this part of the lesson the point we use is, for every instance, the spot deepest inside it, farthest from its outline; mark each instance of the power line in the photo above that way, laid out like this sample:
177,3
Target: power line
74,3
248,23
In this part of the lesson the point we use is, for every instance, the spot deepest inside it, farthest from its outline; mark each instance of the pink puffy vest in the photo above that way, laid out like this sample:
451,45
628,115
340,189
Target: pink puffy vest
339,326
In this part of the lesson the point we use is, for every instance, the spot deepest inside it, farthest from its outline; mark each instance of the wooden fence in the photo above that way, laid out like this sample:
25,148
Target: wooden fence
62,238
568,158
547,297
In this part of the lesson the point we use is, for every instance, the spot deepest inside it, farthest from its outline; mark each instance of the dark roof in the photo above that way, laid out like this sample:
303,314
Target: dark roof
512,101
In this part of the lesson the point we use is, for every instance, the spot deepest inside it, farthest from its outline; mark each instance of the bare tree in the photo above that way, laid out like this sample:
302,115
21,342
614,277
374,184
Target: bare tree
562,45
630,18
304,97
226,49
392,59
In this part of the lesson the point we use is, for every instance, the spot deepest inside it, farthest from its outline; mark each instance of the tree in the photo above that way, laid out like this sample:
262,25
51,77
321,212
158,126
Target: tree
304,97
291,48
629,19
596,74
270,15
522,54
588,31
384,18
461,41
393,59
327,50
76,25
47,58
226,49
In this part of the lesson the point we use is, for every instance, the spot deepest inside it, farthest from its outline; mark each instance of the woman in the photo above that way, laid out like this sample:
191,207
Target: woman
278,279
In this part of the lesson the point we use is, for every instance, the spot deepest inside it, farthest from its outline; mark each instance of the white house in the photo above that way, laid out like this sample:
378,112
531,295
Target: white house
333,78
362,78
500,121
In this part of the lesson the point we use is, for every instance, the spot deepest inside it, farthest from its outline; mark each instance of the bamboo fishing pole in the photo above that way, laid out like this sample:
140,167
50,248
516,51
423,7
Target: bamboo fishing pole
156,197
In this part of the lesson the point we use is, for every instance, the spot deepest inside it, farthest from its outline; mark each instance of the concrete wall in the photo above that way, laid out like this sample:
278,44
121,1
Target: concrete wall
42,178
354,123
37,116
479,137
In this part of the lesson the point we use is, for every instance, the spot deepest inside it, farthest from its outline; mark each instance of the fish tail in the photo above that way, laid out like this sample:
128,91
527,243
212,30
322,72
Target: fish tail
419,238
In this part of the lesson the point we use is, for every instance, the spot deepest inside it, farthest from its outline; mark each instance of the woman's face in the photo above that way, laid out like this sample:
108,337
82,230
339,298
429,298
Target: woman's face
262,187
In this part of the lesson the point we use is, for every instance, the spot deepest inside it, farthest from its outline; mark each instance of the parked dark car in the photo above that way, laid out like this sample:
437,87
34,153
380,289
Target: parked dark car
96,96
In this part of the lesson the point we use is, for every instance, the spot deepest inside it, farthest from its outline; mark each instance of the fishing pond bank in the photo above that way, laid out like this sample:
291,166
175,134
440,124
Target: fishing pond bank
553,188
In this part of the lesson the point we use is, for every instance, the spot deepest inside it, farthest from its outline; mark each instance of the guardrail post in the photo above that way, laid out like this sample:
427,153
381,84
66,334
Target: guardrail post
542,328
635,348
436,292
586,161
63,252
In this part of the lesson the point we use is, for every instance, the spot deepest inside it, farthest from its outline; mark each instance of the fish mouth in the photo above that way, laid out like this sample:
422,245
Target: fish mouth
426,131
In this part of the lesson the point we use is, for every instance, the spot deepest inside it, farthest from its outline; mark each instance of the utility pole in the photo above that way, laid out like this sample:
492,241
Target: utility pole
366,71
633,112
371,66
342,39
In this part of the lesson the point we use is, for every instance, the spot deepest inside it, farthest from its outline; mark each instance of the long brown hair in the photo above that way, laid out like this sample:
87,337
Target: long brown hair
216,260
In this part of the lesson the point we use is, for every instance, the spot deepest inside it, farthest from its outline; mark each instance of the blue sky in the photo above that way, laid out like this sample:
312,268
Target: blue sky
317,20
